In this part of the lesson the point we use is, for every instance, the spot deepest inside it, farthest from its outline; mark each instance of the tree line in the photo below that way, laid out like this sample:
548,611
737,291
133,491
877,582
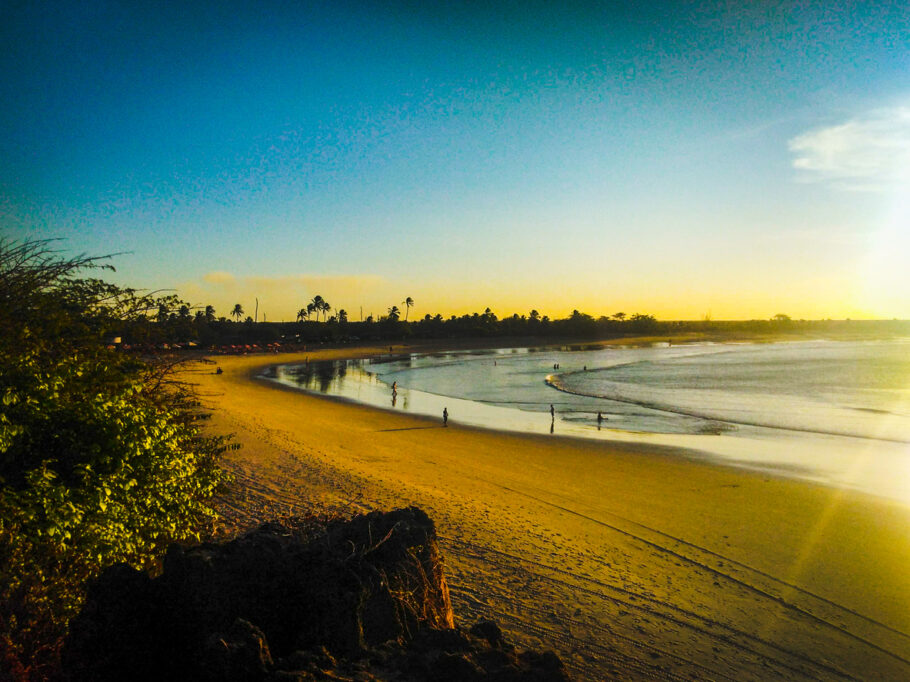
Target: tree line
318,321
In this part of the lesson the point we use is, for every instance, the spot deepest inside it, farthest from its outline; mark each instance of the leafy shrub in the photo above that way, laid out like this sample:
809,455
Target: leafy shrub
101,455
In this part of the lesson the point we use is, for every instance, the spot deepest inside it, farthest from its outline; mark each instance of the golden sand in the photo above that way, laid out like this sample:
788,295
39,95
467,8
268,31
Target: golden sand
630,564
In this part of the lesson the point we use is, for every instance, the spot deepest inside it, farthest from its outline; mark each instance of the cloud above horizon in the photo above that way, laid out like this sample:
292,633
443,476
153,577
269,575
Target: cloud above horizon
867,153
318,282
218,277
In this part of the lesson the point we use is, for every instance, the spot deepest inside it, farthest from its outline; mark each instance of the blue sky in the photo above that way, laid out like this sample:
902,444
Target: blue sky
674,158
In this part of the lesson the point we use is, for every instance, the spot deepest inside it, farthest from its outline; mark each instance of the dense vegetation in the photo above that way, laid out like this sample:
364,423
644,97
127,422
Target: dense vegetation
319,323
101,455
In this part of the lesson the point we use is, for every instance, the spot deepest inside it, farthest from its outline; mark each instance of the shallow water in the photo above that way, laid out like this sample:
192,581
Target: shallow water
832,412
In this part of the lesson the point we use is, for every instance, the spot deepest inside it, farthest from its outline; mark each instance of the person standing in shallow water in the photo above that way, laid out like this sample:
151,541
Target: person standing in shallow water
445,416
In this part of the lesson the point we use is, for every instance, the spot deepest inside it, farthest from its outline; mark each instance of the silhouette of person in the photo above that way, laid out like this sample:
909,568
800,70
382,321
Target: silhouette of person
600,419
445,416
552,412
394,386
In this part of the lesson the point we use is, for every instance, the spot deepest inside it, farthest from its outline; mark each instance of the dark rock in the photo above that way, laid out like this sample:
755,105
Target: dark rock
242,654
452,667
316,660
489,631
121,626
364,599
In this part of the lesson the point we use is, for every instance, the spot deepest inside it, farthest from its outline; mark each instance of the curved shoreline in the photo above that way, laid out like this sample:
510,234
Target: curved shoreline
623,561
835,458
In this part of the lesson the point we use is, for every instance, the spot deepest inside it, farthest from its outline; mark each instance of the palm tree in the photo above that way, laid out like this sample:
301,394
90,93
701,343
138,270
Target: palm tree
534,315
302,314
317,304
619,316
342,316
310,308
326,307
184,311
408,302
237,312
394,313
209,313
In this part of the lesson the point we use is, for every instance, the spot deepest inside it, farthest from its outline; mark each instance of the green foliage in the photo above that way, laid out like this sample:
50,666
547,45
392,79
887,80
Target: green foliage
101,455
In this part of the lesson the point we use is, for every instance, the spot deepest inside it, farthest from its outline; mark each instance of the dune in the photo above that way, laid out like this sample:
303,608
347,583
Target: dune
630,563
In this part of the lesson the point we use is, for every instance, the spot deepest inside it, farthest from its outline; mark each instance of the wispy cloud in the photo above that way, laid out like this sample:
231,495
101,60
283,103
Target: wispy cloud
867,153
317,283
218,277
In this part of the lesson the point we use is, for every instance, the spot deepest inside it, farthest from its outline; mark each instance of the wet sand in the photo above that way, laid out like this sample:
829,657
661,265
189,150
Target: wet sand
630,563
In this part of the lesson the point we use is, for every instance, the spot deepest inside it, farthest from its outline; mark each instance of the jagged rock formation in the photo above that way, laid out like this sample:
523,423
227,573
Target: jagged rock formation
364,599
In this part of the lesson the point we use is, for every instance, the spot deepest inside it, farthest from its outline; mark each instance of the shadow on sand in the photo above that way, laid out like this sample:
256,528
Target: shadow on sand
412,428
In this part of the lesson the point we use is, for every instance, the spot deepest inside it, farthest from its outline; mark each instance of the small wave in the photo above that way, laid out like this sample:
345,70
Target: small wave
555,381
872,410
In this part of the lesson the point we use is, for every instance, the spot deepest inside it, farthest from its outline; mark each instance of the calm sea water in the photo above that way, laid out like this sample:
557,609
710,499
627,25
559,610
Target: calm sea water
837,413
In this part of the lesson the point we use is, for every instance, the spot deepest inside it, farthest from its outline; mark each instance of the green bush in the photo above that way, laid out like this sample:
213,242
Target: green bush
101,455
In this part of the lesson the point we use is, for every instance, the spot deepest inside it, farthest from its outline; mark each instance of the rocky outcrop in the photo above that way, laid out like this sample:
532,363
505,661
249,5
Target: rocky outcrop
364,599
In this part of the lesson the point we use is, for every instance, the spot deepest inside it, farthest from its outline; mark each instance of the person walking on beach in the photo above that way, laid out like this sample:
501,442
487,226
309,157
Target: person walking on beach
445,416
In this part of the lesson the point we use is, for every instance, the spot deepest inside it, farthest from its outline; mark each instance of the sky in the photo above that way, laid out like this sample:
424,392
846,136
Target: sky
683,159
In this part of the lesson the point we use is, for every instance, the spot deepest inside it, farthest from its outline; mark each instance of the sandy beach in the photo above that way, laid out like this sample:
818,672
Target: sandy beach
631,564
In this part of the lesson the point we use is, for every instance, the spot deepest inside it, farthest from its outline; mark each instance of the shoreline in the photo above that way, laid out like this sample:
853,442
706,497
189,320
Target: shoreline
627,561
870,464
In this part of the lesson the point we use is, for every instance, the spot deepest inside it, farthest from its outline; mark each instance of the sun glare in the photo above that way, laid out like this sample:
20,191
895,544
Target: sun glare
886,280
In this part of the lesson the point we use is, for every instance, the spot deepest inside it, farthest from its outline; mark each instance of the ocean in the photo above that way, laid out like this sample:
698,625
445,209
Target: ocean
836,413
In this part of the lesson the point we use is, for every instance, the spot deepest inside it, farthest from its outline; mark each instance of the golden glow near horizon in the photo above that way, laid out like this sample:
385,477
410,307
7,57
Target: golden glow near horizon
280,298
